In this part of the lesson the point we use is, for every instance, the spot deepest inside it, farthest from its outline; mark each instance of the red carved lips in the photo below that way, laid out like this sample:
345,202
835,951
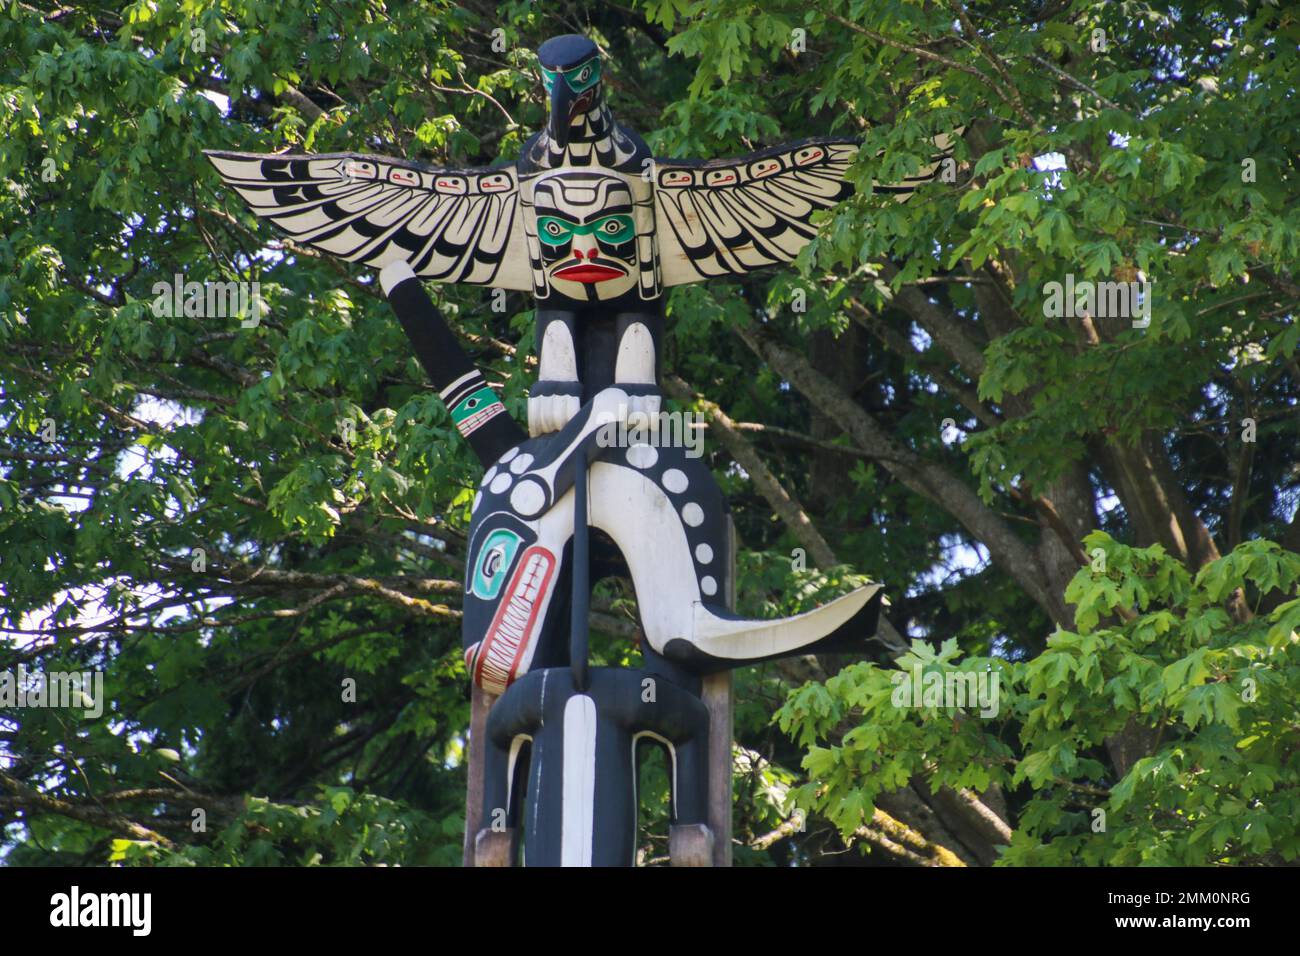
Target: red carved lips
510,635
588,272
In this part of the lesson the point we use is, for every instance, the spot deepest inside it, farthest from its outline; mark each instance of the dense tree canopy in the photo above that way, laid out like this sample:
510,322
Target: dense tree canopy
256,532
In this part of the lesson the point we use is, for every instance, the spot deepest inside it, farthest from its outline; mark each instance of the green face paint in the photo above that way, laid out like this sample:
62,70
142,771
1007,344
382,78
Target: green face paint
494,563
582,77
476,408
556,231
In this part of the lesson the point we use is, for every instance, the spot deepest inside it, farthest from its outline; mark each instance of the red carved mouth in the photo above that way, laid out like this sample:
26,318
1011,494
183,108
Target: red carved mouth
510,635
588,272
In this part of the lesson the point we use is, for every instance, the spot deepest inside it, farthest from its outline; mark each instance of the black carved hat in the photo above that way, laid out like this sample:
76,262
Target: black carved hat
564,52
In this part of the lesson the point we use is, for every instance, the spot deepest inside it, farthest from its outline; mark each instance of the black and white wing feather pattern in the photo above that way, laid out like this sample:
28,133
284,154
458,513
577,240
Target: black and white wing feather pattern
727,217
449,225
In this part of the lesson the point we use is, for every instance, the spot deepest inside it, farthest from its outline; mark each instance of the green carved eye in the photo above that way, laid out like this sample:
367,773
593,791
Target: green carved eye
548,79
555,231
494,563
583,76
613,228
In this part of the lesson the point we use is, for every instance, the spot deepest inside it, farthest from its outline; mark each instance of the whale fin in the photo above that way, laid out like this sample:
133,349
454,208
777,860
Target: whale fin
721,640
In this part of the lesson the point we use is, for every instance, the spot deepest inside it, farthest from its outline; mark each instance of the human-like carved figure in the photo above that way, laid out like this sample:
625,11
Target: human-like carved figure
595,229
591,244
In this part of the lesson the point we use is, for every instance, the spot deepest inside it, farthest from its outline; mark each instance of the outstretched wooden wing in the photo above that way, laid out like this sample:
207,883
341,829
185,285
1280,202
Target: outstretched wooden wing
731,216
450,225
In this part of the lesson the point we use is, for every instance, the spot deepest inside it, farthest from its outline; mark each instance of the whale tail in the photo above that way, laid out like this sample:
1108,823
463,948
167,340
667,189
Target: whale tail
721,640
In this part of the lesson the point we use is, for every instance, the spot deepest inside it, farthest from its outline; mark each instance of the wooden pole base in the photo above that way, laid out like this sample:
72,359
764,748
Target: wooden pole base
690,844
494,848
480,704
717,697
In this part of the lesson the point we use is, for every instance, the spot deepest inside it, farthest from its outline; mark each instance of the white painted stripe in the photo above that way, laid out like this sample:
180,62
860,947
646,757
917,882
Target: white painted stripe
636,773
516,745
577,825
456,384
672,760
393,274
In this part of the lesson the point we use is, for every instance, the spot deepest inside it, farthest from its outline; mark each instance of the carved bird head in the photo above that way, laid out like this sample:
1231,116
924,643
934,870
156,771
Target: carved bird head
571,78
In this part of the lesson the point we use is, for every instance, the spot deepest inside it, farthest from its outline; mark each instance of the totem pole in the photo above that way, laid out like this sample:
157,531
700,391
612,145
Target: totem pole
595,228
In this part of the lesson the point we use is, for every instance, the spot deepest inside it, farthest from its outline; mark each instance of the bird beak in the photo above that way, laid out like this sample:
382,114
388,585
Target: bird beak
562,99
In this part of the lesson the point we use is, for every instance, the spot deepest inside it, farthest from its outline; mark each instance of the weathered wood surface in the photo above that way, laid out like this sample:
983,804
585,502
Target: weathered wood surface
480,703
718,699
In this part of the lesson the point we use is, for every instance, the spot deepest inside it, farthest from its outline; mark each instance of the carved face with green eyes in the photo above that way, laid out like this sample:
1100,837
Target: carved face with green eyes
586,234
557,231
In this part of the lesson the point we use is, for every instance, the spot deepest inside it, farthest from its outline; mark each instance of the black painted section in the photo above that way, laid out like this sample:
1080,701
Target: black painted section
625,705
444,360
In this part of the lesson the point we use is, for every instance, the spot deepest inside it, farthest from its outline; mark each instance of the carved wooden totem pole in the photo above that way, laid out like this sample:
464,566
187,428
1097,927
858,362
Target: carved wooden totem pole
595,228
